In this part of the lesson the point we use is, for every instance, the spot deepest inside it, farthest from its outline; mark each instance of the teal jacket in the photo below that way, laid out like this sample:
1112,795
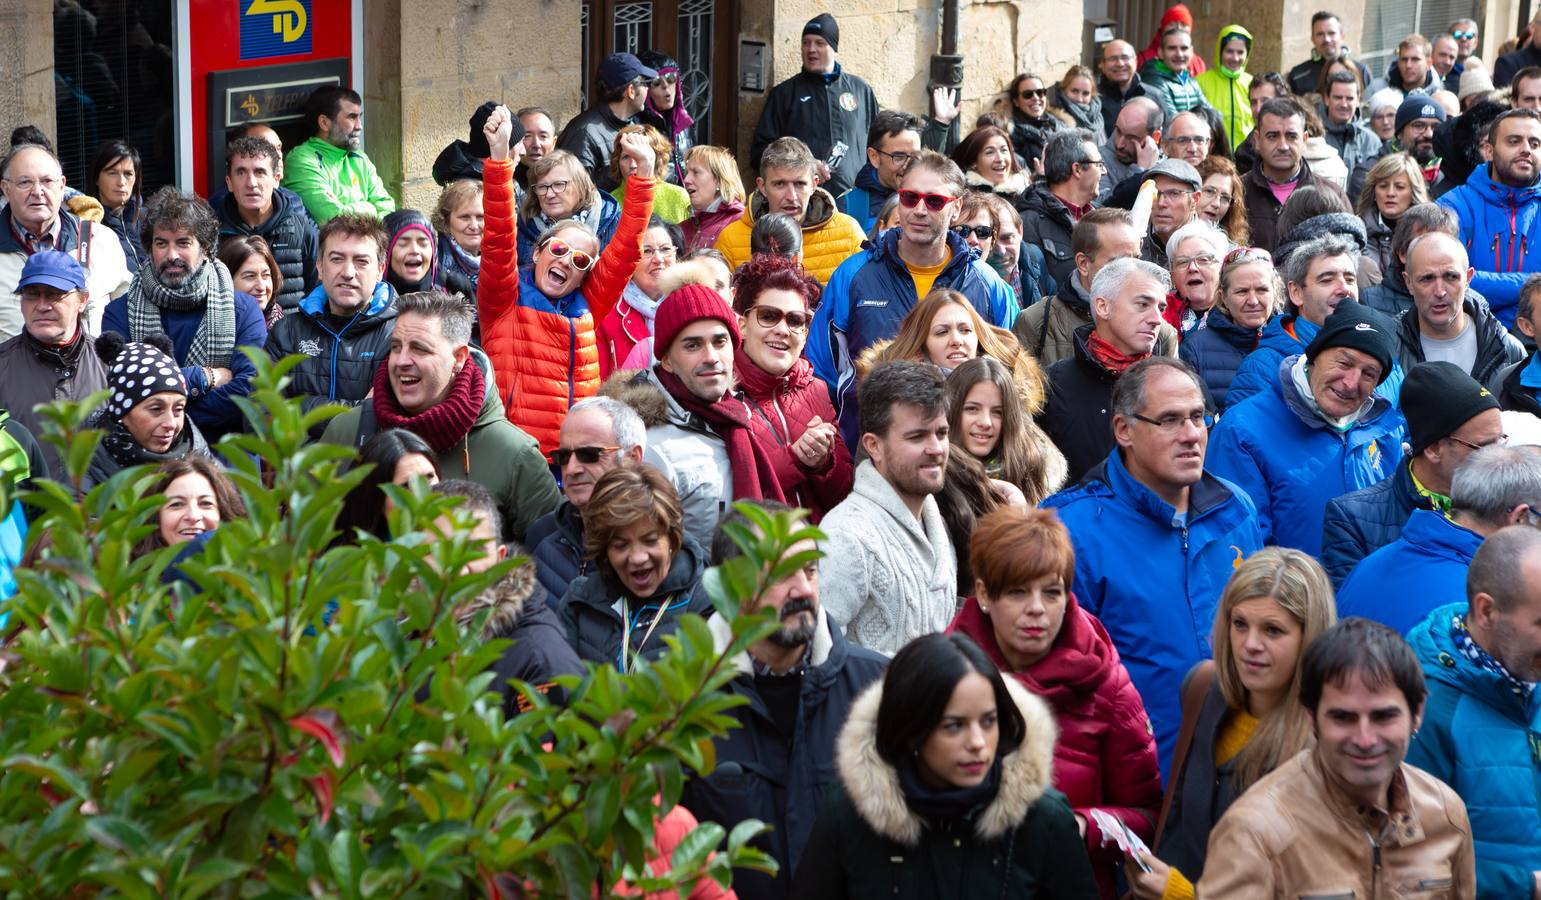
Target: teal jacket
1482,736
332,180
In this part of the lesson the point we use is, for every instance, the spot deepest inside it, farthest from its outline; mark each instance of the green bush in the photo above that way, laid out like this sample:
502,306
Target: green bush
241,740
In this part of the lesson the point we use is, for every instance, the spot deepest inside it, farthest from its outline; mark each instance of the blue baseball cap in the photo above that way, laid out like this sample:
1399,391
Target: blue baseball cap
53,268
620,69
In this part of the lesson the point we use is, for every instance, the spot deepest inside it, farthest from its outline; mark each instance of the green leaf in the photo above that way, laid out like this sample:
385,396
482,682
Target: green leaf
119,834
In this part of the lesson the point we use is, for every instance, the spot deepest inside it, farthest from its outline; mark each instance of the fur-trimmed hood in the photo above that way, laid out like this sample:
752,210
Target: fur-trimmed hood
873,784
1015,185
506,599
1026,373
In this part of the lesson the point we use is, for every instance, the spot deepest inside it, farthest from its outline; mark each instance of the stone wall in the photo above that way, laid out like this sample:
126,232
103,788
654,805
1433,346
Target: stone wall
429,63
27,59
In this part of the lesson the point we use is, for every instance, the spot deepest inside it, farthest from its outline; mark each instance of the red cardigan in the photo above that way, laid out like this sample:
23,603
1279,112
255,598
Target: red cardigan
543,350
1106,754
780,410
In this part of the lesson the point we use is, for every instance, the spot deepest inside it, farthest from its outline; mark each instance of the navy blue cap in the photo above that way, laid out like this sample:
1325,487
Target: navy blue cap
53,268
620,69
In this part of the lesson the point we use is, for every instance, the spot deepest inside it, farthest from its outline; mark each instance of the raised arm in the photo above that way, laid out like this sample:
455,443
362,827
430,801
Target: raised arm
621,256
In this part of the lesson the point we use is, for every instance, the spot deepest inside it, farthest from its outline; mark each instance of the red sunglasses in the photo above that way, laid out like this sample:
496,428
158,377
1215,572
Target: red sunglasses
559,248
934,202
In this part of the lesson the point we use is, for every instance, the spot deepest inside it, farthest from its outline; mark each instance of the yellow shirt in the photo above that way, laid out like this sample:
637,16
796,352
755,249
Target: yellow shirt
925,276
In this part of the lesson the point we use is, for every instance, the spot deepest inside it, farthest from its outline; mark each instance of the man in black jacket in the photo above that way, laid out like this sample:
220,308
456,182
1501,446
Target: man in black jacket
1446,324
255,206
1326,44
1119,82
824,106
1072,178
344,326
800,683
622,82
1519,386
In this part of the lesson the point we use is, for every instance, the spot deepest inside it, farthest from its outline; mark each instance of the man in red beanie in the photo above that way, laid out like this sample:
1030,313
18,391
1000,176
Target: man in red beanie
706,447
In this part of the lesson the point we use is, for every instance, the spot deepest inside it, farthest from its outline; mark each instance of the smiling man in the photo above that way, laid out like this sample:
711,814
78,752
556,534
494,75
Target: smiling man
1499,208
253,205
1152,490
1349,816
1446,324
1320,432
343,327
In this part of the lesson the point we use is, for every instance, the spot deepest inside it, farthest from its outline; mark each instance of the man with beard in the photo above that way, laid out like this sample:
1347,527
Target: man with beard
330,172
513,607
1446,322
187,294
1482,661
799,684
1412,70
889,571
1349,817
1072,179
1417,118
598,434
1281,169
1499,207
706,446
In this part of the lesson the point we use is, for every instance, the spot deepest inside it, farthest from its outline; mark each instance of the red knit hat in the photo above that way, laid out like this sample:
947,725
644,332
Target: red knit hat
690,303
1178,13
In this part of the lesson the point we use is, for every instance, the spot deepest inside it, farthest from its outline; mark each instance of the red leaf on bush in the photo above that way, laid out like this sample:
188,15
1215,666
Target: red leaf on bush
322,785
322,725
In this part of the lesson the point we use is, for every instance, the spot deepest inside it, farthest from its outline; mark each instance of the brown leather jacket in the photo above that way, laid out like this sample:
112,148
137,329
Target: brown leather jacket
1295,835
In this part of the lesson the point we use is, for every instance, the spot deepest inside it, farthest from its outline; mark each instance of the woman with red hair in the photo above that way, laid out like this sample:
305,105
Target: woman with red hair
790,411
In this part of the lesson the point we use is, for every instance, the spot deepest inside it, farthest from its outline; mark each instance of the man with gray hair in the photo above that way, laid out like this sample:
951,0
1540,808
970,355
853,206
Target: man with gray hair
1481,660
435,386
1128,297
1403,581
1072,179
598,434
1153,492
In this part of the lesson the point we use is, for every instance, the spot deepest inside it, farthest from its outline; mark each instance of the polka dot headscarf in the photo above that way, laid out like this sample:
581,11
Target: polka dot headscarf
138,372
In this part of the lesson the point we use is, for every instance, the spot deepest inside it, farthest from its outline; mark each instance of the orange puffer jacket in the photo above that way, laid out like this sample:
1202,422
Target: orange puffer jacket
542,349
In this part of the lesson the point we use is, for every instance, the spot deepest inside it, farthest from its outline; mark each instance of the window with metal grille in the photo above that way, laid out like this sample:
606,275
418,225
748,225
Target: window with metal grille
1387,22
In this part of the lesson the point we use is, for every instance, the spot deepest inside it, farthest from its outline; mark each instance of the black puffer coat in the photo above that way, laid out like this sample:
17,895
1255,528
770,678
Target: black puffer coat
343,353
595,629
293,237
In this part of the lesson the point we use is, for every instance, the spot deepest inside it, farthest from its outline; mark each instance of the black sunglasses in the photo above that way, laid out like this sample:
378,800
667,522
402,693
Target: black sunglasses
586,455
1030,93
982,232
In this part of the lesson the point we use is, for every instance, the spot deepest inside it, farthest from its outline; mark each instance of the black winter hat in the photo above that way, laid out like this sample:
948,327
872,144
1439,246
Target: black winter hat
1358,327
661,62
477,145
1437,399
825,26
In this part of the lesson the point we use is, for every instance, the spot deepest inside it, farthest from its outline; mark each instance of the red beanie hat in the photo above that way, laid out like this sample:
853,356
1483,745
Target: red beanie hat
690,303
1178,13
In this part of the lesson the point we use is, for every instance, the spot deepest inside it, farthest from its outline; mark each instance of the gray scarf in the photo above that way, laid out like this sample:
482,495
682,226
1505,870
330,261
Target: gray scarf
208,288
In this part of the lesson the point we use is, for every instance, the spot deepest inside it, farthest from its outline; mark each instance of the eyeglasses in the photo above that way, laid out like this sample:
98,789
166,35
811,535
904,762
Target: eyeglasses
1501,440
559,249
1249,253
1463,35
671,78
982,232
1184,140
553,187
934,202
1092,162
1171,194
770,317
586,455
1118,57
664,252
30,294
25,185
1202,260
1030,93
900,159
1215,193
1171,423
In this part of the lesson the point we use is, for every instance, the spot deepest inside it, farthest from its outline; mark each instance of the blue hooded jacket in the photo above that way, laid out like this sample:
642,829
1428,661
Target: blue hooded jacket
1291,463
1496,224
1286,336
1398,584
1159,613
1480,736
866,199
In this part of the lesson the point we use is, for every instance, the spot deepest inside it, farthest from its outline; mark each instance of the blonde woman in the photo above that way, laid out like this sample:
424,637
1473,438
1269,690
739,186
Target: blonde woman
716,195
1394,185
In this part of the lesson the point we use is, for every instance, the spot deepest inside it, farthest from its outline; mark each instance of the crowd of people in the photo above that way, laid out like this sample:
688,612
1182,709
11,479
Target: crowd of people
1173,430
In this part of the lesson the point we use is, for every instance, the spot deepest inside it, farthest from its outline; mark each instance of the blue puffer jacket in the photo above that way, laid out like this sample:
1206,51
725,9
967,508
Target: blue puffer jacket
556,541
1160,613
1216,347
1359,523
1479,735
1398,584
866,199
1496,224
1291,463
1288,335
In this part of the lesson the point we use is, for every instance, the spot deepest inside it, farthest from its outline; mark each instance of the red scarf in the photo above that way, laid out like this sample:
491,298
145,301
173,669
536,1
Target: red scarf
1109,356
754,475
444,424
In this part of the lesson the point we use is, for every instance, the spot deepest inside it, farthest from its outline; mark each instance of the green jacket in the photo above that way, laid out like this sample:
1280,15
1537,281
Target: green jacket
670,202
501,458
332,180
1227,91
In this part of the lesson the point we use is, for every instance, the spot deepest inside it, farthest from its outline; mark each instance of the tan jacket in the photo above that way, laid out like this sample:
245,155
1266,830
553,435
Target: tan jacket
1294,835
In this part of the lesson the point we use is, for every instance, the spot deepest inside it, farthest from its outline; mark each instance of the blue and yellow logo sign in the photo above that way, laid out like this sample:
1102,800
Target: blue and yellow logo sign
274,28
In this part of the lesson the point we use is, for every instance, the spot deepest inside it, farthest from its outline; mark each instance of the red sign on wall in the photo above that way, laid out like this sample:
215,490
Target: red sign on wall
322,28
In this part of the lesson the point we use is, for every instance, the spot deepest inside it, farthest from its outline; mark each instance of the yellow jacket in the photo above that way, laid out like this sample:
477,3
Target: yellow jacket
829,236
